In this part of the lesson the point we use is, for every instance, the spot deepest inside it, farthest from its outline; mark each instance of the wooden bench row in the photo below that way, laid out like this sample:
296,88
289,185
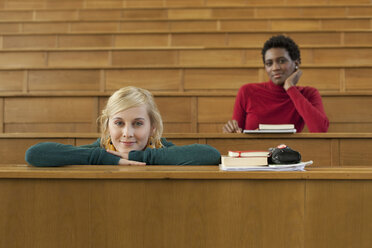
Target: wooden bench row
330,149
175,57
182,112
170,79
252,12
306,39
267,24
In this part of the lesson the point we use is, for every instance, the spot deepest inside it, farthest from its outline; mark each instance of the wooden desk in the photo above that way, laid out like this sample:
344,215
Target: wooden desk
184,206
325,149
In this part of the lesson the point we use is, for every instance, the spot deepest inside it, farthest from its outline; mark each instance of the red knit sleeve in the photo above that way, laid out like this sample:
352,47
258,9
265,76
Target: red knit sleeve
239,113
309,105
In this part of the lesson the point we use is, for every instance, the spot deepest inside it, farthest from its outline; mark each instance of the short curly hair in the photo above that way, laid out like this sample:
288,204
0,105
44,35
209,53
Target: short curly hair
281,41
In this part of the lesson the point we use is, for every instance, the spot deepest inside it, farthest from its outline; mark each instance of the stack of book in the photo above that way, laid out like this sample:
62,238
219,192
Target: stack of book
273,128
256,161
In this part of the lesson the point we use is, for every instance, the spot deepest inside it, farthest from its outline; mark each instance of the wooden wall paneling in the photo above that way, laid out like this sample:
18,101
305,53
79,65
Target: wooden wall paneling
335,211
343,56
91,27
64,80
153,26
360,11
104,4
85,141
95,114
211,57
333,2
23,5
350,127
102,14
323,79
355,152
1,115
207,25
319,151
248,39
223,79
10,28
79,58
317,38
198,39
329,11
278,12
335,152
296,25
244,25
70,113
151,79
22,59
16,15
56,15
214,3
87,40
49,27
221,13
141,40
156,219
358,38
358,79
184,3
189,13
212,111
149,57
29,41
144,3
349,24
52,213
183,142
11,80
66,4
145,13
13,151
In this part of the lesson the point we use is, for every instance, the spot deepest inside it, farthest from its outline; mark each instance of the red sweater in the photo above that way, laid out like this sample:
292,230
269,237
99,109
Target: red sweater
268,103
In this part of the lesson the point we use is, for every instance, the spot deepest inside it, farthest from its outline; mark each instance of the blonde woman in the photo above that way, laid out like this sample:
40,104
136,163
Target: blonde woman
131,130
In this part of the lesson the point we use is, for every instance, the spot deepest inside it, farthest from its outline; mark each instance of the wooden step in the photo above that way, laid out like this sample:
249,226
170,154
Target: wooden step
186,113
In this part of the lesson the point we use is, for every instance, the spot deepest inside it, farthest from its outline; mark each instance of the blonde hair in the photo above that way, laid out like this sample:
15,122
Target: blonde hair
126,98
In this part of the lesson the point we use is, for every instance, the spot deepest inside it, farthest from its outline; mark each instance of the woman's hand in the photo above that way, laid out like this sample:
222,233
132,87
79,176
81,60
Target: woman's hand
293,79
124,158
231,127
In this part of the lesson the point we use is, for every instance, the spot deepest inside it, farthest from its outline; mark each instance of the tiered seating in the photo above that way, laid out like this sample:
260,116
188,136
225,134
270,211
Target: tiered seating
60,61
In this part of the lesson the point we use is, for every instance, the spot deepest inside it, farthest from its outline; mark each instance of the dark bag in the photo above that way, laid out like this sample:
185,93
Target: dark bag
283,154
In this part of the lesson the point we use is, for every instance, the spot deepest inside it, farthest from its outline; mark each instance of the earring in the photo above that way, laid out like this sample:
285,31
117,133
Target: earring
296,67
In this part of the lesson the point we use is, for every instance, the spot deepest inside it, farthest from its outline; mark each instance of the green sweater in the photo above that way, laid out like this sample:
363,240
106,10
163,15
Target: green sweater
56,154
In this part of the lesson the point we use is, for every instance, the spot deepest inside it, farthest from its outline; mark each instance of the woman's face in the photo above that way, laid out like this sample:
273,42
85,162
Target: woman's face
279,65
130,129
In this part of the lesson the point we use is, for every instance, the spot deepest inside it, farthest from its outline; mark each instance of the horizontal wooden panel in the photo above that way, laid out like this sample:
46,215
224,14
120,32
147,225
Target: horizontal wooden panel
76,41
183,3
234,13
149,79
248,39
141,40
193,26
210,110
144,3
319,152
10,15
332,11
171,127
95,27
13,151
82,141
10,28
198,39
60,15
358,79
175,109
345,56
200,79
345,24
247,25
104,4
335,127
100,14
358,38
11,80
210,57
278,12
295,25
44,80
183,142
189,13
45,27
31,41
49,128
211,127
126,58
84,59
355,152
313,38
360,11
348,109
48,110
144,26
321,79
21,59
144,13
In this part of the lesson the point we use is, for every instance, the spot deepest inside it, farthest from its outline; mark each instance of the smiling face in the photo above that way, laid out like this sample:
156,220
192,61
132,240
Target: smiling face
279,65
130,129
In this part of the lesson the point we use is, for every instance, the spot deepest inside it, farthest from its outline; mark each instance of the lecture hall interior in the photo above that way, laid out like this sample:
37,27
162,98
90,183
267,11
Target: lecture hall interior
61,60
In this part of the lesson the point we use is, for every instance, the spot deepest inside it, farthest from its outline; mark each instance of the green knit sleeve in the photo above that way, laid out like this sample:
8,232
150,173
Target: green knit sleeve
56,154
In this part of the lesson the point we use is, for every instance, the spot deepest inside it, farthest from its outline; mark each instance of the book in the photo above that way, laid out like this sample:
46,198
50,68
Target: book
248,153
272,167
275,126
232,162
